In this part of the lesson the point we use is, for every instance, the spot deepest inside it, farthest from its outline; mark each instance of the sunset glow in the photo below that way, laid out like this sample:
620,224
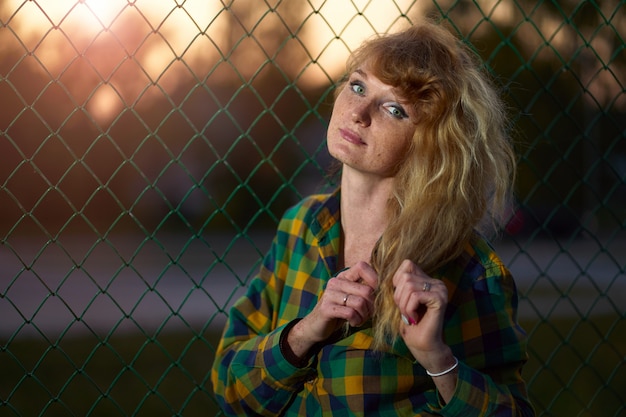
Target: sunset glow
105,10
333,24
132,45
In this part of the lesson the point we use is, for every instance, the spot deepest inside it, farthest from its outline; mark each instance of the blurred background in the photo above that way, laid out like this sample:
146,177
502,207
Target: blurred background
148,148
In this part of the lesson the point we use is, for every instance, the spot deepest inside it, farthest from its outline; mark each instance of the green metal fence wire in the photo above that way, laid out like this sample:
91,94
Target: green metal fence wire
149,147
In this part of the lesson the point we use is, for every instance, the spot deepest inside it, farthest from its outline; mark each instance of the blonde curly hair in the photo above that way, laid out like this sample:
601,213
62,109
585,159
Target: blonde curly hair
457,175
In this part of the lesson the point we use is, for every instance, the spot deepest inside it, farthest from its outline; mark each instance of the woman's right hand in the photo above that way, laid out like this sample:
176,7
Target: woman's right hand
349,297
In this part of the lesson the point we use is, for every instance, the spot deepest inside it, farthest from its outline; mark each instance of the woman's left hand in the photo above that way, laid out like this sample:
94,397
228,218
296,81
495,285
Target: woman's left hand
422,301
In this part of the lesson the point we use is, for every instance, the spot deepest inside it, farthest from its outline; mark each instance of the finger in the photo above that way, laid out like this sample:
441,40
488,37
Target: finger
344,306
414,294
362,304
357,310
408,268
420,304
362,273
416,306
349,300
405,283
402,298
346,293
344,301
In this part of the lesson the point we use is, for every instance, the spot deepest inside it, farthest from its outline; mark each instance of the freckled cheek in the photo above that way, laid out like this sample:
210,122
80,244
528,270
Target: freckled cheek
342,104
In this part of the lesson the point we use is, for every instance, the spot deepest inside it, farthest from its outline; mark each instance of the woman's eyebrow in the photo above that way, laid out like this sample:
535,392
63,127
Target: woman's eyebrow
360,72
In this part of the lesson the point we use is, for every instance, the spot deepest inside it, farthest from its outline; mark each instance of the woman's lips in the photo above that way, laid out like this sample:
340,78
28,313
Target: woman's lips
351,137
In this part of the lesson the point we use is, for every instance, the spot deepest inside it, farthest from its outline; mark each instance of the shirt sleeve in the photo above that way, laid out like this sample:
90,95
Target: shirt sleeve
483,332
250,375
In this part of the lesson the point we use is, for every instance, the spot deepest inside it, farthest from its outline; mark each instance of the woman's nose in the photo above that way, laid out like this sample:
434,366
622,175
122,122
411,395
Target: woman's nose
361,115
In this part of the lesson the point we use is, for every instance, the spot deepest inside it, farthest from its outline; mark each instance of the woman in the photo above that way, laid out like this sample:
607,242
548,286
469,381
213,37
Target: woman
383,298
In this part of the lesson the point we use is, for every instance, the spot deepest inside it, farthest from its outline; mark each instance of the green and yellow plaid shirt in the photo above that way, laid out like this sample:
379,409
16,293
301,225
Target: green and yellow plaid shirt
346,378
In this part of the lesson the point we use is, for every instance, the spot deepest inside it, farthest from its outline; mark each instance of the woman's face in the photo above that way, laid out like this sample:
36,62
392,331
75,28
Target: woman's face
371,125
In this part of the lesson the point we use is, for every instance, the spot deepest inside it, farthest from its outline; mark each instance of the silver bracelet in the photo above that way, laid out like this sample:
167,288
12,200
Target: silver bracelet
447,371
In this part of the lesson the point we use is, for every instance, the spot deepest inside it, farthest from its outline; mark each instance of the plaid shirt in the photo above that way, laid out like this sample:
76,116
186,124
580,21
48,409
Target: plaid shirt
250,375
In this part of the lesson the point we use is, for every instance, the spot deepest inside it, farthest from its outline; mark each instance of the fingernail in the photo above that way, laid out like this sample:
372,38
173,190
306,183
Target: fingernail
412,321
405,320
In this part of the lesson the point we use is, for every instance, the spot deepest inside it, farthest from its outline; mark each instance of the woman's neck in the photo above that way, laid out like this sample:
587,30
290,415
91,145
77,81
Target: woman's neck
364,216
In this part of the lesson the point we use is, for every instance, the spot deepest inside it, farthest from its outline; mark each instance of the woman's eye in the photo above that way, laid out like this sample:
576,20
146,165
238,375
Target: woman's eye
397,112
357,88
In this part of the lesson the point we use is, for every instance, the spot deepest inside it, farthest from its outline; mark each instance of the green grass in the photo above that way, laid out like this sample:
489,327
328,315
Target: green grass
576,368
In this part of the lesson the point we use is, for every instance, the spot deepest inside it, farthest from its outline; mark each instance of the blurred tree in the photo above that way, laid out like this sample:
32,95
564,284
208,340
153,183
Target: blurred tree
125,125
563,69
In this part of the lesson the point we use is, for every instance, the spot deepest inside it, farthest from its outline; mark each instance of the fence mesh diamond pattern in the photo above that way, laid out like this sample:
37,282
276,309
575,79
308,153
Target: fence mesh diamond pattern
149,147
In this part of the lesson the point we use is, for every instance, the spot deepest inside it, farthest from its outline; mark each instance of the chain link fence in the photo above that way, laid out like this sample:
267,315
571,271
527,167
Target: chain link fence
149,147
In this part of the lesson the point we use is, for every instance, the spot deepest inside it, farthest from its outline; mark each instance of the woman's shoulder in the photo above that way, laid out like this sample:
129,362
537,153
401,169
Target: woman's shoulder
483,251
481,268
311,205
478,262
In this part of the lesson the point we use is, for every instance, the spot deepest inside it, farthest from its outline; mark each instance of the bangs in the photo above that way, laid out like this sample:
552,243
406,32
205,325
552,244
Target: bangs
416,62
394,64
